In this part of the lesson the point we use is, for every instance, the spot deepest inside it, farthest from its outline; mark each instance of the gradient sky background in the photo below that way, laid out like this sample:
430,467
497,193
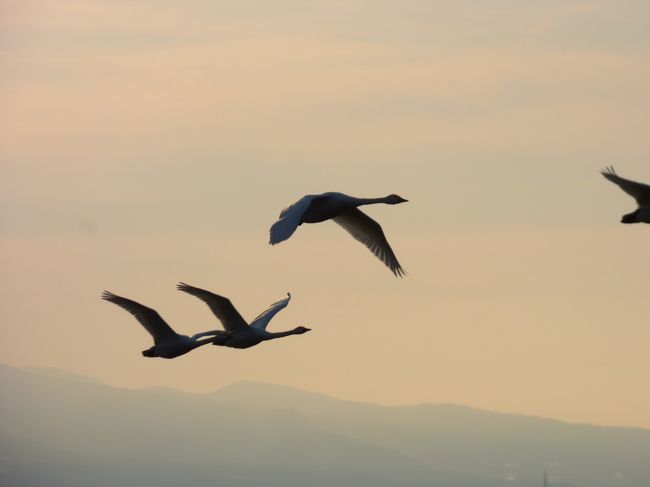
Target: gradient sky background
144,143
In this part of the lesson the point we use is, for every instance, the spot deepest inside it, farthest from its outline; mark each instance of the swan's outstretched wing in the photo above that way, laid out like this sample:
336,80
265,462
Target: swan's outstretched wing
222,308
369,232
290,219
639,191
265,317
149,318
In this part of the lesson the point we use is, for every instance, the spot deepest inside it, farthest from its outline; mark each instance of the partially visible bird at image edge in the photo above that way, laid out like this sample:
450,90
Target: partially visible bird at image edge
639,191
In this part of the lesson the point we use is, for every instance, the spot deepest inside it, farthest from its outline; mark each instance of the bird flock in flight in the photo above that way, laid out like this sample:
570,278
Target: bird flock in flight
343,210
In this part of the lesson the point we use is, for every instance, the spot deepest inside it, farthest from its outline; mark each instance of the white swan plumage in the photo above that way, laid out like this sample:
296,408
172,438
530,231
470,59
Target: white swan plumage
263,319
342,209
238,333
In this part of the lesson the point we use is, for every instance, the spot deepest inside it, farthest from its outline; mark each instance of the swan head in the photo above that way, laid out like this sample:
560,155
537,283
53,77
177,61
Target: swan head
394,199
299,330
630,217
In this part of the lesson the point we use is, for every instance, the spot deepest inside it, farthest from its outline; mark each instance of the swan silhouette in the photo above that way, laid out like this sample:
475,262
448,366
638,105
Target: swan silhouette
238,333
167,343
342,209
639,191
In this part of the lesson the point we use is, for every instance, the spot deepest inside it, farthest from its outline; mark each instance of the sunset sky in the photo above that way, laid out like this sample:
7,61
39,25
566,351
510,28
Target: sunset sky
144,143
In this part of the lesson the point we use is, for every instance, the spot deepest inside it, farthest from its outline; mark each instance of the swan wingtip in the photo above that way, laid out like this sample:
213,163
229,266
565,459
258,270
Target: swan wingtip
608,171
107,295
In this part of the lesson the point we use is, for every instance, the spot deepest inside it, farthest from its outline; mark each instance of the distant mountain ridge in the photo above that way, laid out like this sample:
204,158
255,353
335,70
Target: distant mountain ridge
64,429
282,396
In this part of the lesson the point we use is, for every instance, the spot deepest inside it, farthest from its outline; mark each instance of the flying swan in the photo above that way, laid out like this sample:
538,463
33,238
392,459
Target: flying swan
342,209
639,191
167,343
238,333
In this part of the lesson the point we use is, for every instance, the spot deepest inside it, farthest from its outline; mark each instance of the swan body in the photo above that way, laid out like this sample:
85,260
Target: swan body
342,209
639,191
238,333
167,343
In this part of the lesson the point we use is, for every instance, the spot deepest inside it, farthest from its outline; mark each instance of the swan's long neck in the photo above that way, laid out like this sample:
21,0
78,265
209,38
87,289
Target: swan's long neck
278,334
212,335
370,201
205,341
206,333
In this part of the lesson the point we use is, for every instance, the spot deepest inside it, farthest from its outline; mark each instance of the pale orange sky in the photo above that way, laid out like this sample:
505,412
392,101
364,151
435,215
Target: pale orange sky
146,143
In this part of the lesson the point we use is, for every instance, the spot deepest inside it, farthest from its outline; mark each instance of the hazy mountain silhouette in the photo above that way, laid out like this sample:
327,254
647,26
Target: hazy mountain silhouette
62,429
